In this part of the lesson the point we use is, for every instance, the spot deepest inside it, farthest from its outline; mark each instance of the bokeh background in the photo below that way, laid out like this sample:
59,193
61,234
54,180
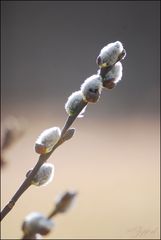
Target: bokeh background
48,48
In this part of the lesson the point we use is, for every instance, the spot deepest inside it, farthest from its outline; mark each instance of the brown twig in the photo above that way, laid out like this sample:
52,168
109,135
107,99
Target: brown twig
62,205
43,158
53,213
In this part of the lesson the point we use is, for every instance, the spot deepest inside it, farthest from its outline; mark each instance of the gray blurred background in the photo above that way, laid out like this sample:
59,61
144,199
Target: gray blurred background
48,48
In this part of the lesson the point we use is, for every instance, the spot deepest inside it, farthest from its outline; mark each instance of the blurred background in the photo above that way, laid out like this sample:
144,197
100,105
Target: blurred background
48,48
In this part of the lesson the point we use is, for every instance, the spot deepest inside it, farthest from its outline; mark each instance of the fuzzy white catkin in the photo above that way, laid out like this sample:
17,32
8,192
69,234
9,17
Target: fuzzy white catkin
44,175
47,139
109,54
73,102
115,74
91,88
35,222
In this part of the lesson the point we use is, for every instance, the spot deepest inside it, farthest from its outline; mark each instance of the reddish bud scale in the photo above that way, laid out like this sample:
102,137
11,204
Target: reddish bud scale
109,84
40,148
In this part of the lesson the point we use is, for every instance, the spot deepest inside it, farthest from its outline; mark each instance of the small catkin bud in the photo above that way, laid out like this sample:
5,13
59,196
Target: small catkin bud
36,223
44,175
73,103
47,139
65,201
110,54
113,77
91,88
68,135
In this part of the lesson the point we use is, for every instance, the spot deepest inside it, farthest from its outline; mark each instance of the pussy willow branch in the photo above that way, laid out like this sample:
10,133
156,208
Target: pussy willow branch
44,157
32,235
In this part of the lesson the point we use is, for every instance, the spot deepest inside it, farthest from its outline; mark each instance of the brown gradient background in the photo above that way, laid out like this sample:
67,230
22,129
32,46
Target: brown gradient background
48,49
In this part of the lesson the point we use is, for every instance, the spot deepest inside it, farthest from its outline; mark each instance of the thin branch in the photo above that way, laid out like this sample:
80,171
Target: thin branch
27,182
52,214
24,186
43,158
